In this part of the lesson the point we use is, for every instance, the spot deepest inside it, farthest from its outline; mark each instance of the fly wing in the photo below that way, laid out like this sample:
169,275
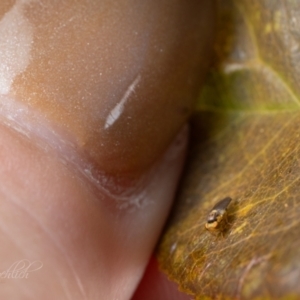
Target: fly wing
223,204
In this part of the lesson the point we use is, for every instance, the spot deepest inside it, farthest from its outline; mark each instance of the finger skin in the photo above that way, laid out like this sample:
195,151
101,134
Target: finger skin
156,285
88,248
92,97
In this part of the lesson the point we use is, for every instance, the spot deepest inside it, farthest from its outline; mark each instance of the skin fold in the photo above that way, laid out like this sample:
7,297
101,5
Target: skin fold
94,101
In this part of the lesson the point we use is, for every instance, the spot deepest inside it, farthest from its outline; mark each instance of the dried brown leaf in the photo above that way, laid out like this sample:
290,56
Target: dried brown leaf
245,145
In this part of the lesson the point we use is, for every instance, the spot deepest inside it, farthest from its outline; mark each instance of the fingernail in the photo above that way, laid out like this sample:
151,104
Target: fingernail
119,77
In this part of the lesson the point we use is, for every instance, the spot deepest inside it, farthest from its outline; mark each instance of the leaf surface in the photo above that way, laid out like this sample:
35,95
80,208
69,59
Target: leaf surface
245,145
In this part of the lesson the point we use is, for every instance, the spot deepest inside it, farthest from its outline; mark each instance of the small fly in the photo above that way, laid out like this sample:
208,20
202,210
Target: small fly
217,218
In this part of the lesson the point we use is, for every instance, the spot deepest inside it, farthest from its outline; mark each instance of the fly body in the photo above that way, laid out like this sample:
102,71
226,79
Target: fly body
217,218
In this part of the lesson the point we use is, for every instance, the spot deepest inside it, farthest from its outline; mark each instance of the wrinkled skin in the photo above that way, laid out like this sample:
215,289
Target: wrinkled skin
95,96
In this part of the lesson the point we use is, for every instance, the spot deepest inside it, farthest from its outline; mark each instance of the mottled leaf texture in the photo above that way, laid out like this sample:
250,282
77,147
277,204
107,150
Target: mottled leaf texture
245,145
